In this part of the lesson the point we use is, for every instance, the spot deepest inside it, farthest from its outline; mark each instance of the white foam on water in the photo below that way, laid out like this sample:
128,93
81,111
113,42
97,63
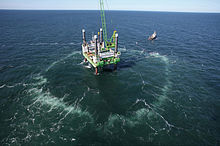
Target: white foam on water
157,55
88,66
141,116
151,112
72,43
42,99
160,99
46,98
122,49
2,86
62,59
41,80
8,86
166,88
81,63
14,85
137,51
115,120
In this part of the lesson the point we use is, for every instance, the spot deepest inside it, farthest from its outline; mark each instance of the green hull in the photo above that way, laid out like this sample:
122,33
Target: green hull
103,62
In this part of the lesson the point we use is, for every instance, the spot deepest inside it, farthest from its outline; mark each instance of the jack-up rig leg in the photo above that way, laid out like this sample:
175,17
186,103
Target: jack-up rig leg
96,70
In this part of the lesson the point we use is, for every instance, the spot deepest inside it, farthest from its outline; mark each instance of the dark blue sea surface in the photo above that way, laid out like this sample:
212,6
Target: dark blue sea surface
165,92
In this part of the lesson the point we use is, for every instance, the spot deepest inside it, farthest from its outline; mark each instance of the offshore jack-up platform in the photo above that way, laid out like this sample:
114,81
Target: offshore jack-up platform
100,51
97,54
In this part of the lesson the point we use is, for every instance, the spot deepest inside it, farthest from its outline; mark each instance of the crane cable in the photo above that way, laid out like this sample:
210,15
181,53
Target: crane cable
108,8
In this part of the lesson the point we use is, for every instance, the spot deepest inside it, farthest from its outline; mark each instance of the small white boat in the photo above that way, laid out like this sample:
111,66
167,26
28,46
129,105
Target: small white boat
153,36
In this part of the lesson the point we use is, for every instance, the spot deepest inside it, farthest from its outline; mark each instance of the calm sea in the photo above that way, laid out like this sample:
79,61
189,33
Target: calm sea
165,92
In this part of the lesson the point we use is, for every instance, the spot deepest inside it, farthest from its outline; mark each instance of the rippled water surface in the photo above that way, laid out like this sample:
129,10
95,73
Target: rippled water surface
164,92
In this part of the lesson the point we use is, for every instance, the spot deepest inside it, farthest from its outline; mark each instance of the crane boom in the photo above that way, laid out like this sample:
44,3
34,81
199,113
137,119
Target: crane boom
102,7
109,43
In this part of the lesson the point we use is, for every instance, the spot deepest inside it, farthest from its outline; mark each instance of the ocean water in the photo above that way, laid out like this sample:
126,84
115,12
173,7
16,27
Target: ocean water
165,92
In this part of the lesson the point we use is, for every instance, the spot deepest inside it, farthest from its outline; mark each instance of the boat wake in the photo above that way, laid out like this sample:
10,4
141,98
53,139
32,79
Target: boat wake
46,98
14,85
58,61
166,88
43,107
146,116
58,112
122,49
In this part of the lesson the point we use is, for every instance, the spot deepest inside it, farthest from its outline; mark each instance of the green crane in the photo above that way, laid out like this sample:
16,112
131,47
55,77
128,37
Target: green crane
111,42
